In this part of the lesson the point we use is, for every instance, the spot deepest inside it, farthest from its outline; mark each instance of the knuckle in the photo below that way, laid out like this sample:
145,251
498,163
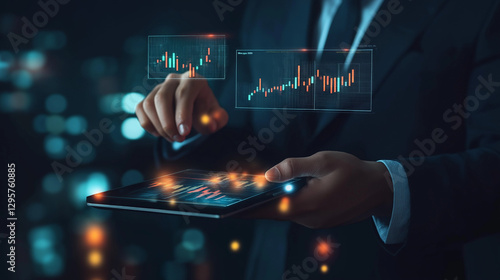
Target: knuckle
148,103
288,167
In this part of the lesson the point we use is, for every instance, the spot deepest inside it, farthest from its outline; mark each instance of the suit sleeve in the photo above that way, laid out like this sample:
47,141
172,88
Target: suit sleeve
456,197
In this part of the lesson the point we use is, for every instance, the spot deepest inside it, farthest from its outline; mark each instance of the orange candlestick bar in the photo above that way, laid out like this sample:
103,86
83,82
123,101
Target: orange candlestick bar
190,70
303,83
334,84
260,86
309,82
206,58
298,75
176,64
166,59
327,80
317,73
265,93
307,88
324,89
208,51
331,85
349,79
342,79
352,76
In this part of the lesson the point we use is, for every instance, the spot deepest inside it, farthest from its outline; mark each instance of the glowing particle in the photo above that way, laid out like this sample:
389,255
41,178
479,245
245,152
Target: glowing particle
172,202
232,176
288,188
94,235
284,205
324,268
95,258
215,180
323,249
260,181
235,246
205,119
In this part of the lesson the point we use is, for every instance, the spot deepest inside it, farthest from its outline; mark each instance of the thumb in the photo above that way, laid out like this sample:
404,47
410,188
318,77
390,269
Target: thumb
295,167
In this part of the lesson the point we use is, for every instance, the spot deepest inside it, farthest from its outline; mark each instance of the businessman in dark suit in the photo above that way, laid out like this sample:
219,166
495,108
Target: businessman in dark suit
424,165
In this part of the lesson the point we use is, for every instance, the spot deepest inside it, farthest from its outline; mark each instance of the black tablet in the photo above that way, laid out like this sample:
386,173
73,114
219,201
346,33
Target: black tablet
195,193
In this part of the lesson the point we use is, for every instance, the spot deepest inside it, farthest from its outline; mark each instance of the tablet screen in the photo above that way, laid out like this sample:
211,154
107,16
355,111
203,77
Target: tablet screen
219,189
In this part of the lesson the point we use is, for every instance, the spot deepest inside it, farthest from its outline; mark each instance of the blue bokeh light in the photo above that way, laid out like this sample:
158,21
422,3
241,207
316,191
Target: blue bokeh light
54,124
33,60
54,146
130,101
56,103
76,125
22,79
131,129
193,239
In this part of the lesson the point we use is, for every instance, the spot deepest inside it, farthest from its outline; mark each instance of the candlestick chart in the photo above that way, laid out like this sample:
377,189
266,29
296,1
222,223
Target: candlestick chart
291,79
197,55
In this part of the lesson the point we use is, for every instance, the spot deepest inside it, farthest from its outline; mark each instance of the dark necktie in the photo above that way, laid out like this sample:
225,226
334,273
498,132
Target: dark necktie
342,31
340,35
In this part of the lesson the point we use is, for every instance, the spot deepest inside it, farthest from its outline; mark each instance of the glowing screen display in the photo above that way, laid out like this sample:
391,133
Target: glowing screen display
196,54
293,79
202,188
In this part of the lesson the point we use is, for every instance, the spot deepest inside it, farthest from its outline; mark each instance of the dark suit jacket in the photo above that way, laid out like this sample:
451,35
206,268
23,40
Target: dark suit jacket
430,59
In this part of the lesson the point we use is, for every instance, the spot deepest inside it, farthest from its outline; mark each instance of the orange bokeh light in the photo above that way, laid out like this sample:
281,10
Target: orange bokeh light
260,180
94,235
284,205
95,258
205,119
323,249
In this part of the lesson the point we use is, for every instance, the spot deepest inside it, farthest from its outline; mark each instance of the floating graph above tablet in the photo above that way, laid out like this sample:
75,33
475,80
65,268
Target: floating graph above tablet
198,55
292,79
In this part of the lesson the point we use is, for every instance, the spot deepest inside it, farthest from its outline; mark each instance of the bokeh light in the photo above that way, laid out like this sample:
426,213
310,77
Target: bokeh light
284,205
193,239
55,124
32,60
54,146
95,182
130,101
95,258
132,176
45,253
75,125
22,79
6,61
205,119
56,103
131,129
15,102
94,235
49,40
235,246
324,268
323,248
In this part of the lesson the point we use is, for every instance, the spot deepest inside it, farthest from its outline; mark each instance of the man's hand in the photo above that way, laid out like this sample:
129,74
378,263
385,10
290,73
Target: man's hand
173,107
343,190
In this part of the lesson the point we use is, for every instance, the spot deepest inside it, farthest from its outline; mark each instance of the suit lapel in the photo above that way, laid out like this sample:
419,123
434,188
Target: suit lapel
392,42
